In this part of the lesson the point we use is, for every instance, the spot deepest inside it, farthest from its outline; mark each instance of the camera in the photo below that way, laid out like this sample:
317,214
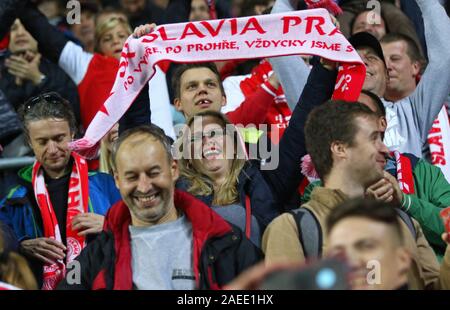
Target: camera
328,274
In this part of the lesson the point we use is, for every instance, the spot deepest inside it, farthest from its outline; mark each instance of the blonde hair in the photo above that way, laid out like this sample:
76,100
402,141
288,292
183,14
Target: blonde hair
14,269
106,26
106,164
201,184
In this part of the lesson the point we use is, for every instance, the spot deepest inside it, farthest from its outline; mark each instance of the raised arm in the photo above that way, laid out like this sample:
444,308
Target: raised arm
428,98
54,45
286,177
291,70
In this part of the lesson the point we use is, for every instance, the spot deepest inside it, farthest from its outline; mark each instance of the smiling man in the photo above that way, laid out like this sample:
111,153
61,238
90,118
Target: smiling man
58,203
197,87
404,65
196,248
344,141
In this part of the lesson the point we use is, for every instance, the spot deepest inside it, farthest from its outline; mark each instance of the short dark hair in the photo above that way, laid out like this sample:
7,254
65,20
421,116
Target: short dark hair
149,130
330,122
413,50
45,106
367,208
381,110
176,80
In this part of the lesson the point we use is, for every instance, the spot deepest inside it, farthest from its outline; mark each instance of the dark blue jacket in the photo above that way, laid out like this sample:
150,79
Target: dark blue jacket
20,211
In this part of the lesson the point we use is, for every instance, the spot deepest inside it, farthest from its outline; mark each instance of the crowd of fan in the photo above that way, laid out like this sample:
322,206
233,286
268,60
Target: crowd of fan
353,180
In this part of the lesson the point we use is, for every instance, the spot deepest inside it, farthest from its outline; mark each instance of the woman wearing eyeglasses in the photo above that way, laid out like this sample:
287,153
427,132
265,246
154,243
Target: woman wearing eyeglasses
214,168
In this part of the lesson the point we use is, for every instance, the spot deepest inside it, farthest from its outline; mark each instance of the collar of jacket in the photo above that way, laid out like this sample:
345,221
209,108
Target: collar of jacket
205,225
327,197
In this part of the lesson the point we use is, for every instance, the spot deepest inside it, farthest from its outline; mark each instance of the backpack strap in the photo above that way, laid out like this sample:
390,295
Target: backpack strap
309,232
408,221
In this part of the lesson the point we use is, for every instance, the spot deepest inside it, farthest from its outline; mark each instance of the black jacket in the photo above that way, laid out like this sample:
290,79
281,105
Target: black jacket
55,80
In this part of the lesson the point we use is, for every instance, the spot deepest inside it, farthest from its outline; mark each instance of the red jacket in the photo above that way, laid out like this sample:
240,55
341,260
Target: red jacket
220,250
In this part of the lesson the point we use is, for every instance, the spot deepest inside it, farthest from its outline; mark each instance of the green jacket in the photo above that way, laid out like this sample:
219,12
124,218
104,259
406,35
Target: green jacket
431,195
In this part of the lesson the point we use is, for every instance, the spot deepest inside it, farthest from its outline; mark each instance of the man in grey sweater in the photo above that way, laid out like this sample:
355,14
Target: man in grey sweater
409,119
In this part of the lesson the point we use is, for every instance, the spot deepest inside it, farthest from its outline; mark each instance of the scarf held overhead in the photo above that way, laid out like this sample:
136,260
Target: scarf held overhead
308,32
78,200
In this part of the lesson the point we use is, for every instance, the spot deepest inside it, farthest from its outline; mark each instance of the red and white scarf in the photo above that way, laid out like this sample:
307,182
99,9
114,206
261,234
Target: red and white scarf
78,200
439,142
301,32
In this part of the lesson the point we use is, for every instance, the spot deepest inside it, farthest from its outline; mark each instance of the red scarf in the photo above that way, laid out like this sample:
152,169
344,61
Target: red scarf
404,173
77,203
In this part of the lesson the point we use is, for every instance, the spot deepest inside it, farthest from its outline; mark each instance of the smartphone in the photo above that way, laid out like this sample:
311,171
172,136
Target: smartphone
328,274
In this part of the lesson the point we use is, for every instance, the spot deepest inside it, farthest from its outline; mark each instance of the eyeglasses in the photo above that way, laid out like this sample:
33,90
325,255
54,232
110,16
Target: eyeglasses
216,133
50,97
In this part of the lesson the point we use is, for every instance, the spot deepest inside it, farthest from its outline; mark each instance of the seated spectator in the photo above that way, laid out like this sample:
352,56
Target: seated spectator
58,205
197,249
344,141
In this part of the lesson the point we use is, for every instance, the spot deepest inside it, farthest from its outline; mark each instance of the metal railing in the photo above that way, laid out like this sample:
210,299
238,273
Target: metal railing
15,162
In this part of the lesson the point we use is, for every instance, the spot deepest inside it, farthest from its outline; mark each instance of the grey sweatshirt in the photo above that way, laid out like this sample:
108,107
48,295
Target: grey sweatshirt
409,119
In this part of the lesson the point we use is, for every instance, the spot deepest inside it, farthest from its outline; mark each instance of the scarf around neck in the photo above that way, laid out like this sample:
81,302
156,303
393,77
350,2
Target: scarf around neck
78,200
